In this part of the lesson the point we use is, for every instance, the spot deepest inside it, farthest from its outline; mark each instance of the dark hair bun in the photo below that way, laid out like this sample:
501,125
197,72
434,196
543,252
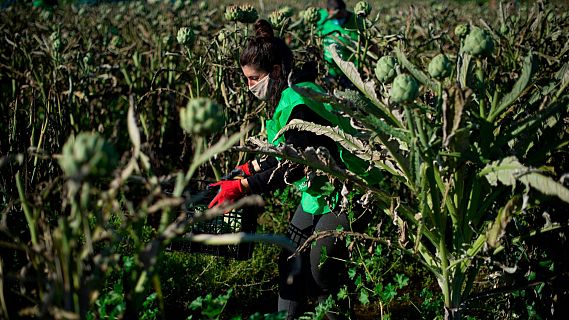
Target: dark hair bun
264,30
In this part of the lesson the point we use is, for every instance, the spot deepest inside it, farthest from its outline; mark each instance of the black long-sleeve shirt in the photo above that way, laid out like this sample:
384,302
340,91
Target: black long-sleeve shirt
271,176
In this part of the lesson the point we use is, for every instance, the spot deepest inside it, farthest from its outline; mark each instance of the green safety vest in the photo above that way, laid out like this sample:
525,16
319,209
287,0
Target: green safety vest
329,30
315,202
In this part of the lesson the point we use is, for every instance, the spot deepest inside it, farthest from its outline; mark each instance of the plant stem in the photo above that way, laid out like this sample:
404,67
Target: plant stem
27,212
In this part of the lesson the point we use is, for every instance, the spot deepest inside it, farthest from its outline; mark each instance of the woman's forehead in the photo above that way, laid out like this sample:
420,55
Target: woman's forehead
250,70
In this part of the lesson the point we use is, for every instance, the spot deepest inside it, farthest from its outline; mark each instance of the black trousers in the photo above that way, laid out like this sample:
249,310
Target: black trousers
323,268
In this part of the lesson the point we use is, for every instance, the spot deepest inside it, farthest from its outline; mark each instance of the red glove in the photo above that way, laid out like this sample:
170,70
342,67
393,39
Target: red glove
230,190
245,168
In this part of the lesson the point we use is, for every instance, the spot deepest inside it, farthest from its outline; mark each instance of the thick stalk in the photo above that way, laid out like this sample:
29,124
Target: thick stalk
445,279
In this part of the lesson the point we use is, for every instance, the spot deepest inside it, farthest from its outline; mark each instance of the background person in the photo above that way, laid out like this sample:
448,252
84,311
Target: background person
340,26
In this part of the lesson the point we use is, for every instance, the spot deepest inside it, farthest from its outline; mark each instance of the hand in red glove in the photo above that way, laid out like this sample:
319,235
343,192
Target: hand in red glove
230,190
246,168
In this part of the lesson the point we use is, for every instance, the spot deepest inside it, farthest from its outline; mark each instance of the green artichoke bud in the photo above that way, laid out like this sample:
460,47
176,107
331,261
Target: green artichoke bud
385,69
440,67
185,36
362,8
233,13
88,154
277,19
202,116
311,15
478,42
404,88
504,29
461,30
287,11
249,14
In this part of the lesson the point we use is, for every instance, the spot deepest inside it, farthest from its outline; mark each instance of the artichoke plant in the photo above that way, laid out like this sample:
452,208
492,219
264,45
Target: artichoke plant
478,43
202,116
385,69
185,36
362,8
311,15
88,155
404,88
440,67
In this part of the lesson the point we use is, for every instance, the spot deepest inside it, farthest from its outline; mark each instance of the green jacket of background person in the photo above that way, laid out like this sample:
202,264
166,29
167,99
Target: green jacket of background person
340,26
317,201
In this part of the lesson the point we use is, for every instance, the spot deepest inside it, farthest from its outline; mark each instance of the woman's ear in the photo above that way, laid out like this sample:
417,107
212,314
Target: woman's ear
276,73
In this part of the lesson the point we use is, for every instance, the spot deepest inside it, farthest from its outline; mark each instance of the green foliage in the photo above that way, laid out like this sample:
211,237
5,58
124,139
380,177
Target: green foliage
209,306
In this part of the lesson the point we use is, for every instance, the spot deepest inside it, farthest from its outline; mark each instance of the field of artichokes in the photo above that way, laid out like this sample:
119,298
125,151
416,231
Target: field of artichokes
113,113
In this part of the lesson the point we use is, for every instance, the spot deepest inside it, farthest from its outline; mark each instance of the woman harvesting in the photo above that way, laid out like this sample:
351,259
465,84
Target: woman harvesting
267,62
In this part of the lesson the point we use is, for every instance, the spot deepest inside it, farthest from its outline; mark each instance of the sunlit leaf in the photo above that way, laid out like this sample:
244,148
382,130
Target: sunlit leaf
509,170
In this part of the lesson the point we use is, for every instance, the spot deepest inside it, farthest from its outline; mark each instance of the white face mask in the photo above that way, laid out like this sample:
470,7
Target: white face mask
263,88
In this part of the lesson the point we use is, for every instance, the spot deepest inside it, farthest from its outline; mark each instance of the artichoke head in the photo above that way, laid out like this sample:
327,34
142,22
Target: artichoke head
404,88
385,69
248,14
311,15
440,67
185,36
233,13
88,155
478,43
277,19
202,116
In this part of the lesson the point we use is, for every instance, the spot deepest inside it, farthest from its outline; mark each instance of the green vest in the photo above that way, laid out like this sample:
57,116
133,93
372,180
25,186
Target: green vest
315,202
329,30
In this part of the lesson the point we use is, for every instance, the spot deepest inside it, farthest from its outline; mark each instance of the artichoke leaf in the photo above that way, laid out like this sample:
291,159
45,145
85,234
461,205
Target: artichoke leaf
509,170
